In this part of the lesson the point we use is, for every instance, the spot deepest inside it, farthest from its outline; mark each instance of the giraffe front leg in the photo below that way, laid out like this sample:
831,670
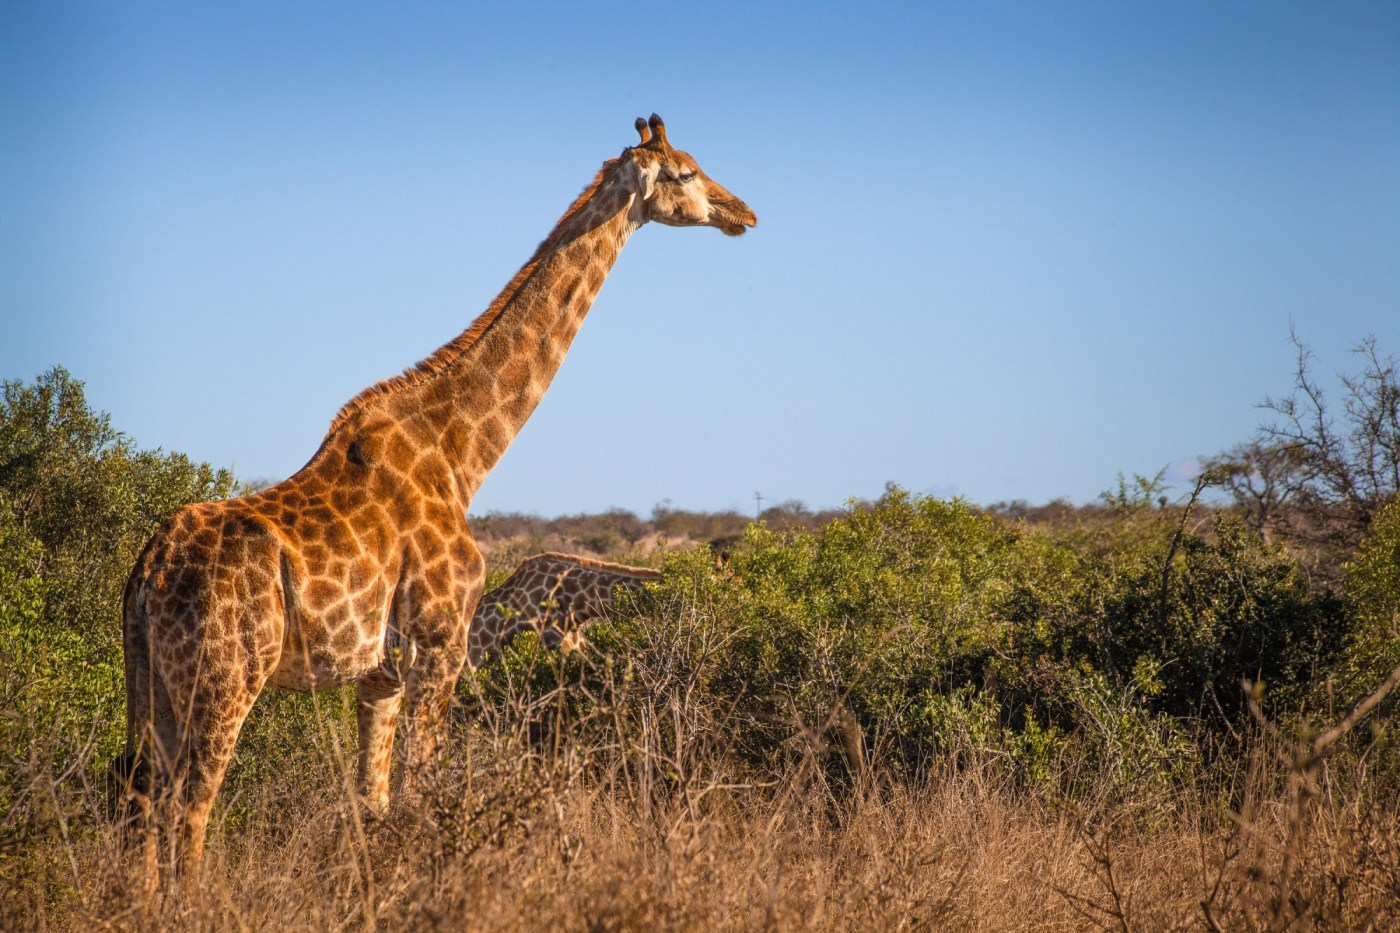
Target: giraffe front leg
437,610
429,693
377,710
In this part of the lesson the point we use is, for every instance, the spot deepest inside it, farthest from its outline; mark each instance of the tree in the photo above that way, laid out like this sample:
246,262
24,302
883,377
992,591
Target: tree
1316,478
1260,477
86,496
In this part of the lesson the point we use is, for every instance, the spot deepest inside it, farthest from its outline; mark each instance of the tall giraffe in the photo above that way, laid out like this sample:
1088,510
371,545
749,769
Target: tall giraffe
553,594
360,568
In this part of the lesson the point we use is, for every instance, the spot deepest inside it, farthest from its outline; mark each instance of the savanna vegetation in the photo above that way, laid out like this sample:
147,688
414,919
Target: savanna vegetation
911,712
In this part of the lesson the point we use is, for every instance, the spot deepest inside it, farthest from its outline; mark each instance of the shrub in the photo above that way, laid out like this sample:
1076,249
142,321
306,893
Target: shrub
933,633
878,615
1373,594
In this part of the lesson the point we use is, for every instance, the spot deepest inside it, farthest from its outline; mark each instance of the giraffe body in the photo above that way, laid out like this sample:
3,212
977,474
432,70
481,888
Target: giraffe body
553,594
360,568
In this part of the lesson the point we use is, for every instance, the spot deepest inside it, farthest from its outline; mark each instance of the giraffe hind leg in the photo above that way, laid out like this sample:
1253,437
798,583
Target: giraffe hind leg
210,714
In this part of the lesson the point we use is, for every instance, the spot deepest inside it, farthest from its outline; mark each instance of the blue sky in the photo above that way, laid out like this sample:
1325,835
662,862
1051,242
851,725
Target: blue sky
1005,250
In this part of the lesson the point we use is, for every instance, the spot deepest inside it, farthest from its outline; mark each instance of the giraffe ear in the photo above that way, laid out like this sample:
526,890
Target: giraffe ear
644,177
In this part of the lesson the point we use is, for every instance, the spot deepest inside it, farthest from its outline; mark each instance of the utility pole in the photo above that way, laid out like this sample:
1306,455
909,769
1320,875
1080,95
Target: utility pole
758,505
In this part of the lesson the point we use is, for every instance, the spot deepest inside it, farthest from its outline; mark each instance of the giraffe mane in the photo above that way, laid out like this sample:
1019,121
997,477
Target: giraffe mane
450,352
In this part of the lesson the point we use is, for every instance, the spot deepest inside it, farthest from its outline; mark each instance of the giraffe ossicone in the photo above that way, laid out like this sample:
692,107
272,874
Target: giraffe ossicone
360,568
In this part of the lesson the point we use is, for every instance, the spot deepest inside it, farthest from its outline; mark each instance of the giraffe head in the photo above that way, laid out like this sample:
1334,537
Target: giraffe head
674,190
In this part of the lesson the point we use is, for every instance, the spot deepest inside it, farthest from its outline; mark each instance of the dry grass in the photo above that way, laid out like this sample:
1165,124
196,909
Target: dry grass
508,836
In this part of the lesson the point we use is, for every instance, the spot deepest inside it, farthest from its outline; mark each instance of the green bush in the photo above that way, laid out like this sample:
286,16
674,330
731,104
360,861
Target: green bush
881,613
1182,608
1106,653
77,501
1373,594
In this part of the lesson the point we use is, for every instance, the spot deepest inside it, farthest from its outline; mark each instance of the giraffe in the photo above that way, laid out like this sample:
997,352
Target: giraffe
360,568
553,594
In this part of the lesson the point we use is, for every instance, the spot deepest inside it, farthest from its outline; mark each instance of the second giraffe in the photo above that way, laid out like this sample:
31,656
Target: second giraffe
555,595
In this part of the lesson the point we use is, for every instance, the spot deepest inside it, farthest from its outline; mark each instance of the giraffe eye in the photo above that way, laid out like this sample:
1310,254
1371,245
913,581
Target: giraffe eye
684,177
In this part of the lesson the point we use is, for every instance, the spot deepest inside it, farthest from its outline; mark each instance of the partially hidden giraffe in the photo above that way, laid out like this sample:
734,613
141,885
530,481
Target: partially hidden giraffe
555,595
360,568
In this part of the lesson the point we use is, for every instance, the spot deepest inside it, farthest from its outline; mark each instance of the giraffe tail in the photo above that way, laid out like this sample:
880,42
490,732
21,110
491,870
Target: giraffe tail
147,703
130,772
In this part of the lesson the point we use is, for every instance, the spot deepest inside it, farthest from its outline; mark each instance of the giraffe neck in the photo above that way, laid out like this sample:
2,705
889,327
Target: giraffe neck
471,398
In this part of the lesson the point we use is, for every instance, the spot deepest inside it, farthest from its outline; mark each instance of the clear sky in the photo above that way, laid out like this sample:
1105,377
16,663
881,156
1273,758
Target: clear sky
1005,250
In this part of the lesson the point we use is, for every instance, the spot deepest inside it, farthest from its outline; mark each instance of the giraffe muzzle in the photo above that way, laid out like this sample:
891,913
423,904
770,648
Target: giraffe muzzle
732,216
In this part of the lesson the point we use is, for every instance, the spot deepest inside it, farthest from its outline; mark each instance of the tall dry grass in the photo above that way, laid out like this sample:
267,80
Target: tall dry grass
637,818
